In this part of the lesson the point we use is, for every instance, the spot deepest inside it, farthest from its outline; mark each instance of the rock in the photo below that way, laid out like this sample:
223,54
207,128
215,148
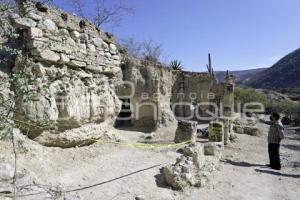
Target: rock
6,171
91,47
35,32
70,42
140,197
115,57
64,32
34,16
50,25
238,129
82,47
213,149
77,63
216,131
95,69
113,48
64,58
75,35
105,45
97,42
23,23
251,130
38,70
186,131
187,169
84,37
107,55
49,55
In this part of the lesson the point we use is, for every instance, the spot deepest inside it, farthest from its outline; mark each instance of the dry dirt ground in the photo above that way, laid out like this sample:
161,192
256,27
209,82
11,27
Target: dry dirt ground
124,172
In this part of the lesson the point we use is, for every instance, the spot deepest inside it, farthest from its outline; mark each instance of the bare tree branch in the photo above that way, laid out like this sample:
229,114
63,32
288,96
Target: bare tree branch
110,15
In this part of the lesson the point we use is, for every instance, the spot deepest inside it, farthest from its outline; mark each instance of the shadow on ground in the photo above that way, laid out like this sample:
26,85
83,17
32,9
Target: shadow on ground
160,181
241,163
278,173
292,147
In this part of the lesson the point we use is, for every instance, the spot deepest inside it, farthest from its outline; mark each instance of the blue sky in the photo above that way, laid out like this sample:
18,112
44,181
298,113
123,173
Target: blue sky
240,34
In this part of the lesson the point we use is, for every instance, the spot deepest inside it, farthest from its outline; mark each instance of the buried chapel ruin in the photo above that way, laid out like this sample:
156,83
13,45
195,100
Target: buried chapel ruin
84,79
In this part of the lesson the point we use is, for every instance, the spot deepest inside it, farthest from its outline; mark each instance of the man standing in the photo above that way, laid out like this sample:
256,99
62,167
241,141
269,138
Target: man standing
276,134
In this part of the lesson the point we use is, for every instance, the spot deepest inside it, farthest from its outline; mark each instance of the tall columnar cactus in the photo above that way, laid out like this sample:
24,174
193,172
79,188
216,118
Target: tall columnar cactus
209,66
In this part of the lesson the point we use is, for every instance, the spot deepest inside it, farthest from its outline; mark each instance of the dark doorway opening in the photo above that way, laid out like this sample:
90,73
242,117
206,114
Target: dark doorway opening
125,115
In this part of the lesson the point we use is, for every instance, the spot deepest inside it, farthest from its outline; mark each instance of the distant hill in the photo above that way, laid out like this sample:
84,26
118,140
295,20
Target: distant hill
242,76
284,74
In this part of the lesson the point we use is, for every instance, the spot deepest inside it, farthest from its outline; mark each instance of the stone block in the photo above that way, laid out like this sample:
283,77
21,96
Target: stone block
34,16
50,25
49,56
64,58
23,22
216,131
75,35
251,130
38,70
35,32
113,48
77,63
97,42
186,131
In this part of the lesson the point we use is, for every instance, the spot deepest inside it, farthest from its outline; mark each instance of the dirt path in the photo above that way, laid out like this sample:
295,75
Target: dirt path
244,176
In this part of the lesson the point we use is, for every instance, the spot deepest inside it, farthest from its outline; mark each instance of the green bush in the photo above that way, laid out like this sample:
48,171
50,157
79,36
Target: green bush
243,96
289,109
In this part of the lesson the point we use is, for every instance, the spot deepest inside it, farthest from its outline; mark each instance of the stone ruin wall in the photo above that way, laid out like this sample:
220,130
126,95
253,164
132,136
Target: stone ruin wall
75,66
166,87
150,100
79,74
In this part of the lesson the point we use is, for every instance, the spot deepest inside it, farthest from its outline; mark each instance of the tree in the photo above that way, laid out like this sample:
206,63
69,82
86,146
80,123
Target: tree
152,52
110,15
132,47
147,50
102,13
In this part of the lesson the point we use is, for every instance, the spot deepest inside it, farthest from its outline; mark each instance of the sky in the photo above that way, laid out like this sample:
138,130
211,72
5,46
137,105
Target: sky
239,34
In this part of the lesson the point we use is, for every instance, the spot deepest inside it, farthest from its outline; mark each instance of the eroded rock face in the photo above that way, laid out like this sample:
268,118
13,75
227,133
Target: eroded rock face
59,55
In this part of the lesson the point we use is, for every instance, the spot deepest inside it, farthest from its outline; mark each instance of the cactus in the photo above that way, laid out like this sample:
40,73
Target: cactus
209,66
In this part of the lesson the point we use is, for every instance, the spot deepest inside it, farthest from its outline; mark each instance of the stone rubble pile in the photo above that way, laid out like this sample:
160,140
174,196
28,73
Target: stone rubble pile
192,168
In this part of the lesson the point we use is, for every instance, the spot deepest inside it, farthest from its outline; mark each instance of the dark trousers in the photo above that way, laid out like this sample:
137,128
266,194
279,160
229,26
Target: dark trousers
274,155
